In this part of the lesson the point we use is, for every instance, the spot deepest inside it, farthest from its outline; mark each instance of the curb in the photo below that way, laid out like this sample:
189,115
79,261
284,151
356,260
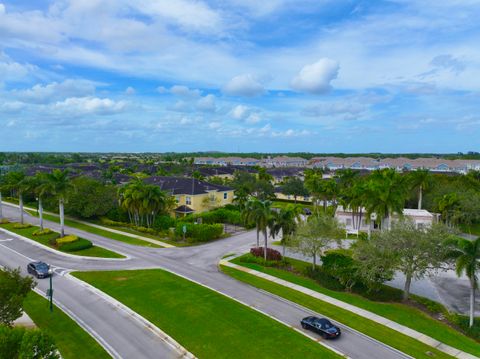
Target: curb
113,353
183,352
423,338
31,241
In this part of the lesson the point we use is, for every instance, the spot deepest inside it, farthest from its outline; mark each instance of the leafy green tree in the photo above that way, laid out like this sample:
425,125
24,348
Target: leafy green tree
91,198
466,254
315,235
416,251
59,185
264,190
263,175
375,262
13,290
420,180
294,186
37,345
449,207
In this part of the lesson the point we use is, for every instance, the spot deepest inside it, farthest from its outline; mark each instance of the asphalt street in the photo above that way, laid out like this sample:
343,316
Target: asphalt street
125,335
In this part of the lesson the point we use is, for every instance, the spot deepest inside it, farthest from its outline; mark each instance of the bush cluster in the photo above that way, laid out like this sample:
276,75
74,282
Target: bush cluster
67,239
199,232
157,227
164,223
21,226
42,232
272,254
4,221
220,215
18,342
78,245
249,258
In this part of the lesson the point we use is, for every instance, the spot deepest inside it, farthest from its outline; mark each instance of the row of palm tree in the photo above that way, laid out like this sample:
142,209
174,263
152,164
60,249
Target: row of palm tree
55,184
143,202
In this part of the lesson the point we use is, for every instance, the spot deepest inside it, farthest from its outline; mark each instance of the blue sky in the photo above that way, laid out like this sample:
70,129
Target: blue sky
239,75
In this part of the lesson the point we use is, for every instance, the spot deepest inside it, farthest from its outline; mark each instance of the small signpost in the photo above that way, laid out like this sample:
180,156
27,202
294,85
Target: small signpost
184,230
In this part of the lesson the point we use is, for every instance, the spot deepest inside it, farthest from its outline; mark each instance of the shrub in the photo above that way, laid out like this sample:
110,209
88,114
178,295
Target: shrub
77,245
340,264
272,254
249,258
163,223
4,221
324,279
10,341
199,232
109,222
42,232
21,226
220,215
144,229
67,239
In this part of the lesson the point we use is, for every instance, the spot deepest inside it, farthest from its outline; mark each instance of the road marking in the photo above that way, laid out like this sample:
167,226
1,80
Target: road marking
6,240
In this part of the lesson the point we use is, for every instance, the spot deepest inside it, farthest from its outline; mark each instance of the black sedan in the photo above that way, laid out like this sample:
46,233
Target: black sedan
322,326
39,269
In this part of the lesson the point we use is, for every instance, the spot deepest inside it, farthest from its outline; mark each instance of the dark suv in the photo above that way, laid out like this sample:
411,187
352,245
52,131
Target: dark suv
39,269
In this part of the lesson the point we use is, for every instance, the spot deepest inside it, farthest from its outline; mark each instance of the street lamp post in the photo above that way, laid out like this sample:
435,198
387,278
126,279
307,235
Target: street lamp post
50,291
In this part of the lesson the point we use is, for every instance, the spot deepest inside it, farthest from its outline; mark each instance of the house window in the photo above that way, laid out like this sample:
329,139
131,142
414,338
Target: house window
225,195
188,200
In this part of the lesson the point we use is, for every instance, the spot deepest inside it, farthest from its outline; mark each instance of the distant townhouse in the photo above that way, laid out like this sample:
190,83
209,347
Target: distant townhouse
192,195
285,161
226,161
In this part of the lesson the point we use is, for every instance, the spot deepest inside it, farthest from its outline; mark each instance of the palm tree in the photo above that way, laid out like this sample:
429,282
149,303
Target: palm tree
2,184
314,185
467,260
285,221
36,186
59,185
448,205
386,194
259,212
420,180
13,183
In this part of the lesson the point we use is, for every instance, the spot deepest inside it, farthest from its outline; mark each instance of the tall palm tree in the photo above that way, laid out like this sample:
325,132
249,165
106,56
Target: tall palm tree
259,212
13,182
420,180
448,205
36,186
386,194
2,184
467,260
59,185
285,221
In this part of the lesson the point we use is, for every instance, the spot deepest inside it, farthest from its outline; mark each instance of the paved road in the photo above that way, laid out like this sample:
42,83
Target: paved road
197,263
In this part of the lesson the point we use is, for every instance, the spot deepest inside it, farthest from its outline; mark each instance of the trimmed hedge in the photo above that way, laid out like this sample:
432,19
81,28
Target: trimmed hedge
199,232
22,226
67,239
272,254
4,221
40,232
164,223
220,215
77,245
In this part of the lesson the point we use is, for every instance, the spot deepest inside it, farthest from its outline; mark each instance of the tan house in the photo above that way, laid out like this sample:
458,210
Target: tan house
192,195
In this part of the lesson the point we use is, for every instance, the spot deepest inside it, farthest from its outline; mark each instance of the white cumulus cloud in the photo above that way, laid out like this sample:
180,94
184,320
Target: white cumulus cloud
245,85
88,106
315,78
207,103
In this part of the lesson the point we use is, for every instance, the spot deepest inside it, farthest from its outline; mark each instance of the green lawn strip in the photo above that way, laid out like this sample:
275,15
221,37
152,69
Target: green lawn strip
72,341
101,232
397,312
94,251
207,323
377,331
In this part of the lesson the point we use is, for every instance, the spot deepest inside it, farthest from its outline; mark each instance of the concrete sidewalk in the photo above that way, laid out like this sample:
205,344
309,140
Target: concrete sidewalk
457,353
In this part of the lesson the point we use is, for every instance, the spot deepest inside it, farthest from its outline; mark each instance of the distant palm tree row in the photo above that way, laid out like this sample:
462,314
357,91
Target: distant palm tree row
383,192
142,202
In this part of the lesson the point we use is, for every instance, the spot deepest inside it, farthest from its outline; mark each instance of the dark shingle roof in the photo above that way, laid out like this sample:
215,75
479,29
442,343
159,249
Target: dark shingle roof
184,185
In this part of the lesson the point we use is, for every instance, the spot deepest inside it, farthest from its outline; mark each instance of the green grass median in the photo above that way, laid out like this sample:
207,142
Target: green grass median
398,312
366,326
72,341
207,323
94,251
98,231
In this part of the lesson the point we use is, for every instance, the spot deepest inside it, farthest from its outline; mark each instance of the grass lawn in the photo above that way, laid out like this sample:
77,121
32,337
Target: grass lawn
208,324
398,312
72,341
94,251
116,236
471,229
372,329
